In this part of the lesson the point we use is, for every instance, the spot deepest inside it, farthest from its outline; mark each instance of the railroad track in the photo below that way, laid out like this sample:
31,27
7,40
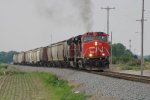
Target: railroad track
125,76
131,77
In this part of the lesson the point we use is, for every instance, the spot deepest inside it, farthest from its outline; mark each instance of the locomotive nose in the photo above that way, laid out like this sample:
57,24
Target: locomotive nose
97,50
92,49
103,54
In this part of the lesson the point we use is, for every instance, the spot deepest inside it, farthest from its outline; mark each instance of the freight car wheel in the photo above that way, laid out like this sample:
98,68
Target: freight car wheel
67,64
80,64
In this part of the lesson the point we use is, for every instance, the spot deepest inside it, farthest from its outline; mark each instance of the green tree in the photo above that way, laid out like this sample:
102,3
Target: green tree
7,57
118,49
121,54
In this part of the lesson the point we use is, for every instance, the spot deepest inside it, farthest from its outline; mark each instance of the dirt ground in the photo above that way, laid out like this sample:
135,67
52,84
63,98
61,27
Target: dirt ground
21,87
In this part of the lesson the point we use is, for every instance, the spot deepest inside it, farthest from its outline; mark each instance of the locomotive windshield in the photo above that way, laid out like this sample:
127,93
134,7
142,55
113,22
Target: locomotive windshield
102,38
88,38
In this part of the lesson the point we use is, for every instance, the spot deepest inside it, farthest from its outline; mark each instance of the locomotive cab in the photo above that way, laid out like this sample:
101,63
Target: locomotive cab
95,52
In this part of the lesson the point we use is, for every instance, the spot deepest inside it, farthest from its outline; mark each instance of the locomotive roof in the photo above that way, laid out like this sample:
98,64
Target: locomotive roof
94,33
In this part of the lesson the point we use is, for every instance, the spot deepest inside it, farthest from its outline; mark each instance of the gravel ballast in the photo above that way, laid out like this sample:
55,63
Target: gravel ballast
102,87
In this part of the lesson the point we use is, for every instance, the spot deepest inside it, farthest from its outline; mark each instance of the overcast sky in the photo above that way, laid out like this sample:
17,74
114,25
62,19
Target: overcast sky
28,24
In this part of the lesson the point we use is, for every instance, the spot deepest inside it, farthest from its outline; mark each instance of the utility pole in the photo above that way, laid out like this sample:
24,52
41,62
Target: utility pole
142,26
108,9
111,48
142,36
130,44
130,47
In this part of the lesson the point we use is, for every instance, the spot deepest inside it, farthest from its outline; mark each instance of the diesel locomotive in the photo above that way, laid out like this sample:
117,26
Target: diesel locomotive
87,51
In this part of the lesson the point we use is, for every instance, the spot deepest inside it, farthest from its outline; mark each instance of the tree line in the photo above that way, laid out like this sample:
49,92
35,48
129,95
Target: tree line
7,57
120,54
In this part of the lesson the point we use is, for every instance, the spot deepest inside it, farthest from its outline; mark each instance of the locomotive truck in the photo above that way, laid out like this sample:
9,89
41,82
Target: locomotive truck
87,51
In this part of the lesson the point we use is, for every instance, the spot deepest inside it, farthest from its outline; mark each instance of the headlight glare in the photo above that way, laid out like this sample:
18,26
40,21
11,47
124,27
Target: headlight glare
90,55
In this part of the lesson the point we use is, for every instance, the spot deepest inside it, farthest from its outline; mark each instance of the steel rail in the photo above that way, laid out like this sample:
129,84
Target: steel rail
131,77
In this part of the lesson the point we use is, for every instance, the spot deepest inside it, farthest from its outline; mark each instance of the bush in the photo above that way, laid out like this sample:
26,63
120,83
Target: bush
134,62
3,66
127,67
4,69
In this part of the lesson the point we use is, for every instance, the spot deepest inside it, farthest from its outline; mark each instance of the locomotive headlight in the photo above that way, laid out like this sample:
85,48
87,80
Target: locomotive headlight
96,43
90,55
103,54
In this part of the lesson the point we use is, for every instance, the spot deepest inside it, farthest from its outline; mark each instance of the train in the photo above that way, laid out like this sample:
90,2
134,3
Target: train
87,51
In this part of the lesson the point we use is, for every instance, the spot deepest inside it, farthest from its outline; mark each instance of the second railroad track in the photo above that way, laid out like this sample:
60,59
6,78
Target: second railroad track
131,77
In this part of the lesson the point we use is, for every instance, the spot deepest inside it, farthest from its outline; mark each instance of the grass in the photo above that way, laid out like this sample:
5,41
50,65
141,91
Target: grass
3,66
59,89
4,69
16,85
128,67
21,86
131,67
